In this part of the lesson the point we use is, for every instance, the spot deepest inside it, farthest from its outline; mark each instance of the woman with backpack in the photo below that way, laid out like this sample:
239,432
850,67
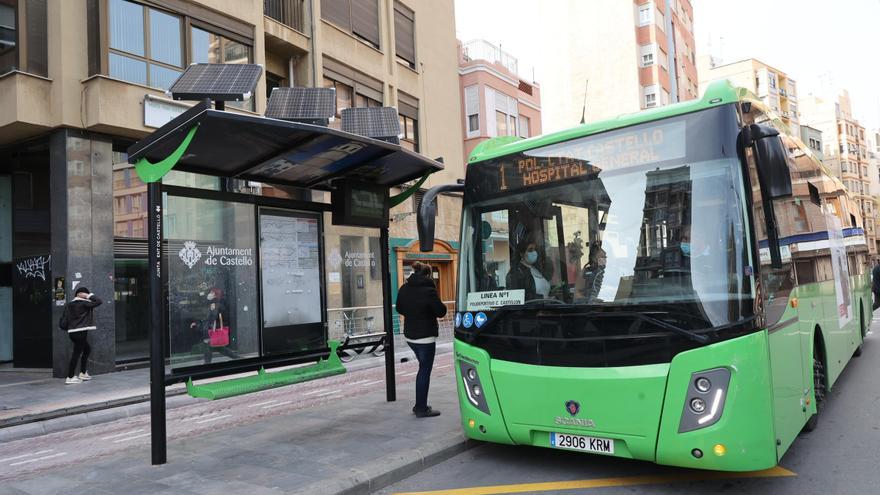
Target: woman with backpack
77,320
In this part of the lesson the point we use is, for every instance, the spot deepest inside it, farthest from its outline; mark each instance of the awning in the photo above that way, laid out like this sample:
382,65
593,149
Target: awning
225,144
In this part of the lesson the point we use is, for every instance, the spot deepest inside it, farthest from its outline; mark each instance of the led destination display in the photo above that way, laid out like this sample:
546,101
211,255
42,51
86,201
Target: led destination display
593,154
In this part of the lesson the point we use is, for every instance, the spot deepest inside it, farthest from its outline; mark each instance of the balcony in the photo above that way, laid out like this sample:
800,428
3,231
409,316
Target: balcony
291,13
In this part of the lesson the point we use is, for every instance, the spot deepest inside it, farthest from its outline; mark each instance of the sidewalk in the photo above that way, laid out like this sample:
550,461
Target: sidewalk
33,403
353,447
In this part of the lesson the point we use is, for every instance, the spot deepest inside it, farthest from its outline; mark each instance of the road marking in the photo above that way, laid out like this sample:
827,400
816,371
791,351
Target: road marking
198,417
443,367
263,403
26,455
410,373
373,382
19,463
215,418
142,435
359,382
279,404
607,482
329,392
111,437
313,392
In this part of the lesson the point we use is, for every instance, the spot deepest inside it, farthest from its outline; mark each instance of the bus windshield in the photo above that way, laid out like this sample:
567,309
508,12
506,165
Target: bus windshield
648,221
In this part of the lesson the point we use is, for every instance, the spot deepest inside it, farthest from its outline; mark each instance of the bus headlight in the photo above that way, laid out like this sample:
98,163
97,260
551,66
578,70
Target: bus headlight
704,402
698,405
473,389
703,384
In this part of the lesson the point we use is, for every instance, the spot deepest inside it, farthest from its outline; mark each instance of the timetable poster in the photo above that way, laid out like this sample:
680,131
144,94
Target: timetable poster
290,270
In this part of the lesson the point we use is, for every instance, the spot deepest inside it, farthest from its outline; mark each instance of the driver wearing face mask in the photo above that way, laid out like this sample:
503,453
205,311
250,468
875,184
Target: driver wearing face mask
528,275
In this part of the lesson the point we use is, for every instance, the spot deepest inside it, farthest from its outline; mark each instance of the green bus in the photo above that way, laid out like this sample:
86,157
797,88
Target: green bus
683,285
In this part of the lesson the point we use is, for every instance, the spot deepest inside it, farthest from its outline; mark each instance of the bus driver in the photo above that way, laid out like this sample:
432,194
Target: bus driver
529,273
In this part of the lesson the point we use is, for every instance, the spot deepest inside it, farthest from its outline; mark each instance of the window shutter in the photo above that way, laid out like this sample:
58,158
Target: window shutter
365,20
407,105
94,32
471,100
338,12
37,45
404,33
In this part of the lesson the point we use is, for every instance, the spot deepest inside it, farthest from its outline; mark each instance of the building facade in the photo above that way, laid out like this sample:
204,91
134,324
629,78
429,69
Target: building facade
775,88
612,57
495,100
845,150
812,137
81,80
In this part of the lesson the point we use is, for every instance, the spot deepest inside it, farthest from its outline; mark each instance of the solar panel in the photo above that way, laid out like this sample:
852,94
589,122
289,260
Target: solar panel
309,105
375,122
219,82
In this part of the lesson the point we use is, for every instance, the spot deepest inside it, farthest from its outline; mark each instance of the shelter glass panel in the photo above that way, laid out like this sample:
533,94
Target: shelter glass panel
354,287
212,281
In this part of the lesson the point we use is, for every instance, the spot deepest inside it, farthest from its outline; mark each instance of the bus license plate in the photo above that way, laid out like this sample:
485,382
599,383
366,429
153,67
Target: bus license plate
578,442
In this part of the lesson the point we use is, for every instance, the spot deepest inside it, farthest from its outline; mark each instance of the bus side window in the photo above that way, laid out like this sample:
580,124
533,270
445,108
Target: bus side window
496,250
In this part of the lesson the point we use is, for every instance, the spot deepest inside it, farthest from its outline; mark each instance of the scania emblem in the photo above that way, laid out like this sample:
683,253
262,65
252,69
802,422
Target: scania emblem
572,407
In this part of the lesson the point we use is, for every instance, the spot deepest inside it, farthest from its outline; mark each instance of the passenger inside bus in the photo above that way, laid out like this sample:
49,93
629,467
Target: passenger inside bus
531,271
593,273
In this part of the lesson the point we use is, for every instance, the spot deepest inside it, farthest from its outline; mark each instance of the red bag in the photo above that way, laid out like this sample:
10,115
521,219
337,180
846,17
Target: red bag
218,336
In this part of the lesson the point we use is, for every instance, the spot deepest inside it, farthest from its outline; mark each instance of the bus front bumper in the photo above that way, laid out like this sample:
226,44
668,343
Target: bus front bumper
638,408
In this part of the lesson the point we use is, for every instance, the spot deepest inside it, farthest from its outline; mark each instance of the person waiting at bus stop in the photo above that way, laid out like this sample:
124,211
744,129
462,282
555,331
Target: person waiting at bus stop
419,302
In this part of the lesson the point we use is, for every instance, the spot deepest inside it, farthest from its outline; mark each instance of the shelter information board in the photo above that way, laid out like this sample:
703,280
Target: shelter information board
290,269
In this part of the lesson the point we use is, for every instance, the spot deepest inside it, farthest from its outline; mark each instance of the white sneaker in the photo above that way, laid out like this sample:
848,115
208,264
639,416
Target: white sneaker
85,376
74,379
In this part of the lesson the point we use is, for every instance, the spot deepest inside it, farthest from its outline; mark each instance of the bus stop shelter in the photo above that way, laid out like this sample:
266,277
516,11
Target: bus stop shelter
261,270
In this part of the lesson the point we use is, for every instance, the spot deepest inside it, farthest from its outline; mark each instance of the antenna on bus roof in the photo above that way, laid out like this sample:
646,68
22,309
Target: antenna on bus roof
584,111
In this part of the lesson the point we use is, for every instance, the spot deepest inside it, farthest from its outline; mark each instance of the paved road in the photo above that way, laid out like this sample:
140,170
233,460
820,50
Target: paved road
841,457
32,457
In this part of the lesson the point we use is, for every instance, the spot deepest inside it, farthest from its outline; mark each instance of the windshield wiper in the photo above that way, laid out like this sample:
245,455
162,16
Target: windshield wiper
696,337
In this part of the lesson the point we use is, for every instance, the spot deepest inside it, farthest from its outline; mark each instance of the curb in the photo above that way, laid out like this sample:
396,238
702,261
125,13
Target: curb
86,415
385,471
34,425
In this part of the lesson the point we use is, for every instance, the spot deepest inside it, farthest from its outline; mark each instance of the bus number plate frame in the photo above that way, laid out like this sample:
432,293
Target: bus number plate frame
582,443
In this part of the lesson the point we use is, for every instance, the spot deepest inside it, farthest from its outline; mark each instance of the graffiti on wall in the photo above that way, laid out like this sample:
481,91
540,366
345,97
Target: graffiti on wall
35,267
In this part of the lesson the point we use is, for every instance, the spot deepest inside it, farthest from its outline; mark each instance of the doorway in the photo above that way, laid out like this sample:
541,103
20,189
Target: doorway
441,274
5,268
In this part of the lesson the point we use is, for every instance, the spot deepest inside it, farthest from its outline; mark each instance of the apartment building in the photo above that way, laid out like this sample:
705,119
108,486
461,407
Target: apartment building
845,150
81,80
495,100
812,137
611,57
775,88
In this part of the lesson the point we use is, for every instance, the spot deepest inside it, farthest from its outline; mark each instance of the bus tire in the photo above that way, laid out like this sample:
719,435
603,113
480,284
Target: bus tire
819,388
858,351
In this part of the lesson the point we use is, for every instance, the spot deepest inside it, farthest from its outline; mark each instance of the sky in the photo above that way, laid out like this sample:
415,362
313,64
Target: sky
824,45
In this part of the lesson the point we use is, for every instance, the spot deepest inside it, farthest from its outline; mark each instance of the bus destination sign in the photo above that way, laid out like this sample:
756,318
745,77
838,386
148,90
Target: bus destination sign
590,155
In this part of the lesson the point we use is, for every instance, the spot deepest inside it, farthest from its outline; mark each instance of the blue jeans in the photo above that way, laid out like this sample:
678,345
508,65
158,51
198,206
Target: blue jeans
425,354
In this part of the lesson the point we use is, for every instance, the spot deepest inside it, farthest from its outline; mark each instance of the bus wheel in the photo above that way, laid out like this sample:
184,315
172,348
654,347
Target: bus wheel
818,390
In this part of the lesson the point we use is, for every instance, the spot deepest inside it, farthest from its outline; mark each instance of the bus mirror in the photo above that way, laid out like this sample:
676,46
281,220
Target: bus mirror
428,212
772,160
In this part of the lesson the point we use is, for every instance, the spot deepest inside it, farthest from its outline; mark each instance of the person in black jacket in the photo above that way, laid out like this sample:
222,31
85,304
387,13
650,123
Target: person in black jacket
419,302
78,319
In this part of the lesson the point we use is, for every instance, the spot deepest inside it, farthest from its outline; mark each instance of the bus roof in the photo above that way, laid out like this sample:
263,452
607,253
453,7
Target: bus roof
717,93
